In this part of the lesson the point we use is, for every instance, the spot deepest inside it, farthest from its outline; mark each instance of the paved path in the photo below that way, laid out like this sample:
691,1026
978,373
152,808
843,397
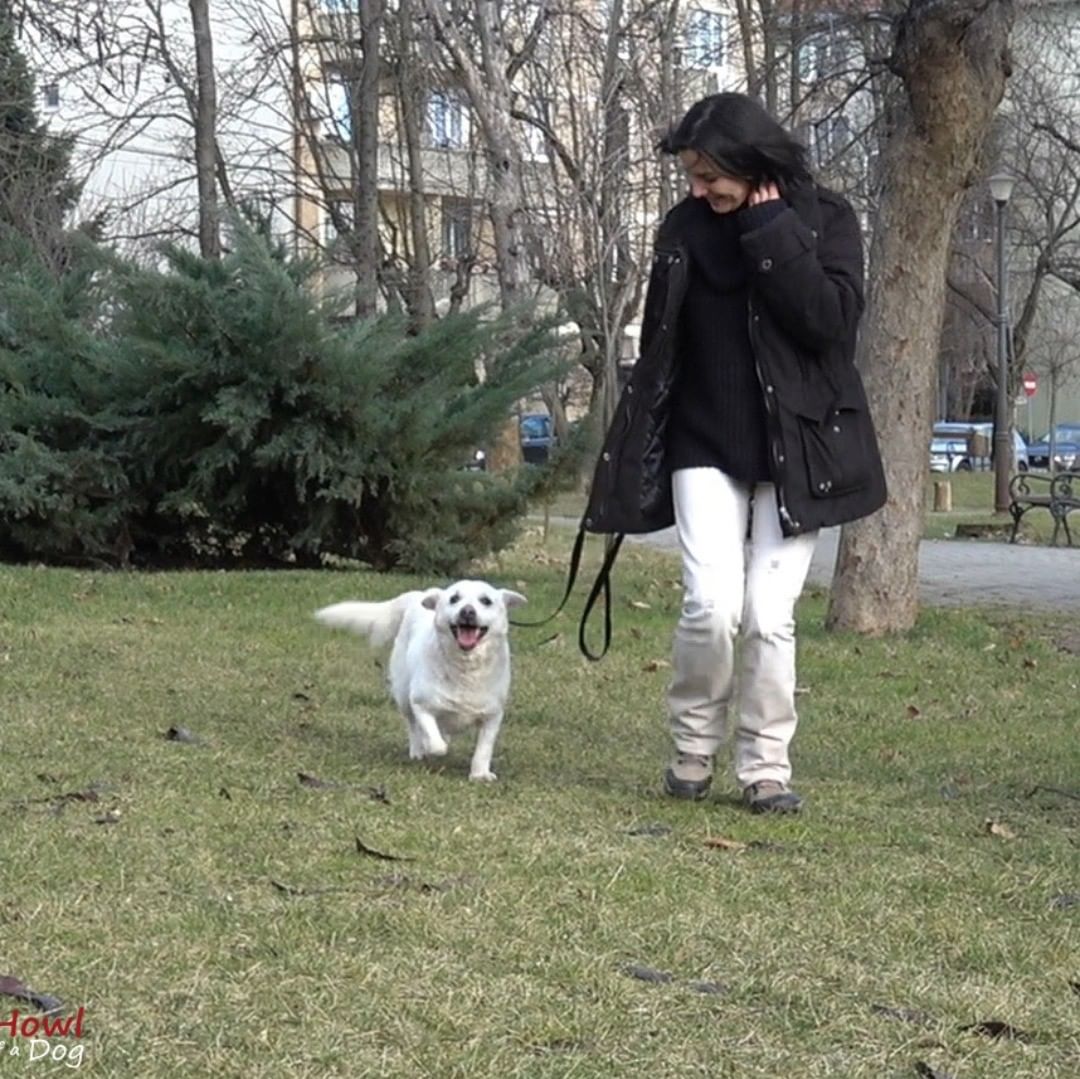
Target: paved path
967,573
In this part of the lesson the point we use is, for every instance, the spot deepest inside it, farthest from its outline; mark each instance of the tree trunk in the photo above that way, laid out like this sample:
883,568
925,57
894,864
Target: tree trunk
671,183
412,92
503,157
487,85
952,56
748,39
206,156
365,138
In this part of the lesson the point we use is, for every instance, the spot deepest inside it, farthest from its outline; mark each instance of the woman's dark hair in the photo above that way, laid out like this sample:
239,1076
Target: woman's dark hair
741,139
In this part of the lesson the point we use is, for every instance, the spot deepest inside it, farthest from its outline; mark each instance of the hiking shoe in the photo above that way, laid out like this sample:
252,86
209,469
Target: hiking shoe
688,776
771,796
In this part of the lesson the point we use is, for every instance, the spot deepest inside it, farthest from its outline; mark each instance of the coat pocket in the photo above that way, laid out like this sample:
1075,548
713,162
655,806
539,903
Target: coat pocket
837,450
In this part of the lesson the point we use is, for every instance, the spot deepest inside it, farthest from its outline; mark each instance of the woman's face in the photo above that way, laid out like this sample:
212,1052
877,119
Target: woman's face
723,193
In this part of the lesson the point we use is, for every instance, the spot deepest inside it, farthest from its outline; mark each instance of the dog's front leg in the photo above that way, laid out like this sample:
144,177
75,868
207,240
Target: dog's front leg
485,747
416,738
429,737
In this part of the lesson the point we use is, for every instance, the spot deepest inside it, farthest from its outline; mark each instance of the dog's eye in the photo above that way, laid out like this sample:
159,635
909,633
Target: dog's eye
485,600
456,597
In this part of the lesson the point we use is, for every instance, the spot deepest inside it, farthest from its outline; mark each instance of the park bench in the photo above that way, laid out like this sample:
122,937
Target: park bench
1059,493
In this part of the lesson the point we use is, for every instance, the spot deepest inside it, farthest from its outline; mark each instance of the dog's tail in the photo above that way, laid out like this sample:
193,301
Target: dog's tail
378,622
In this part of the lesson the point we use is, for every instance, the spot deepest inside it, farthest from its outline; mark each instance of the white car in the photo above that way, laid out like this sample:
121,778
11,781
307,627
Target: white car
950,449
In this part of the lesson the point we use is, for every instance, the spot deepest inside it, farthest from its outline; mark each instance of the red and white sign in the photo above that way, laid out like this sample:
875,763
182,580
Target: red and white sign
1030,384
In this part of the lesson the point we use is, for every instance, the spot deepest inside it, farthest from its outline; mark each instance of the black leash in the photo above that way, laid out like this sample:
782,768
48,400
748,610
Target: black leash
601,584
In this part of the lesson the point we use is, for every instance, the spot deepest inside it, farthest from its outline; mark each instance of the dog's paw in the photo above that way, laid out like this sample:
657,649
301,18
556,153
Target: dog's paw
483,777
436,748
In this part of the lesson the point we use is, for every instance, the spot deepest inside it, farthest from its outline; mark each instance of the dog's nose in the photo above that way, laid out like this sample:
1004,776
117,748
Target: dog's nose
467,615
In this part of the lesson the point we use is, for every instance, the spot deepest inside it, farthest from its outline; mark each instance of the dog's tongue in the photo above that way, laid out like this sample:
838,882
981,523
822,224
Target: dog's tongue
468,637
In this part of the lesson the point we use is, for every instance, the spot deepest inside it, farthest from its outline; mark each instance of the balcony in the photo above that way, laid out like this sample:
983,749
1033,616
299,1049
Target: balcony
445,171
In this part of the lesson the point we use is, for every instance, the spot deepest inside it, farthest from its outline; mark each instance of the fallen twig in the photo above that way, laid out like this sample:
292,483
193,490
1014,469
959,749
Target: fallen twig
363,848
1053,790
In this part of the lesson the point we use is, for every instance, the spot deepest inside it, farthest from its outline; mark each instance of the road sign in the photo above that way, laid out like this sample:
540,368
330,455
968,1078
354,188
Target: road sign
1030,384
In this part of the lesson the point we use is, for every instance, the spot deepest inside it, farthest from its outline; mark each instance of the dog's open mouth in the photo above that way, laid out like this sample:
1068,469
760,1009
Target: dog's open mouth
467,635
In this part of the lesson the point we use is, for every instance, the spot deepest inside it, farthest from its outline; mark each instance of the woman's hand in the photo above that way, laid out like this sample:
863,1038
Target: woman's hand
767,192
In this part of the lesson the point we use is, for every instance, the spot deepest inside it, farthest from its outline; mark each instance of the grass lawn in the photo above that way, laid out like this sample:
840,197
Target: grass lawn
214,915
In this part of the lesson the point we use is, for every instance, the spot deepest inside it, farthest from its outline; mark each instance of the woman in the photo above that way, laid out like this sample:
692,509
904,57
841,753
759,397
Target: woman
745,424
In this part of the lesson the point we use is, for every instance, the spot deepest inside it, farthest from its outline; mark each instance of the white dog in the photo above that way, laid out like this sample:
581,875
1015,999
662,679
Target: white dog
449,662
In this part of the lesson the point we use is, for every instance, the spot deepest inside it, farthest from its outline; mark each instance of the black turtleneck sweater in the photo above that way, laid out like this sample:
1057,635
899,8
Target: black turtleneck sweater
717,416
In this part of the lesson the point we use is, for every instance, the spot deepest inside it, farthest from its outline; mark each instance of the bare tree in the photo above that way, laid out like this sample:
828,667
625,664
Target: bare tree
1055,353
205,119
364,108
479,53
412,83
952,59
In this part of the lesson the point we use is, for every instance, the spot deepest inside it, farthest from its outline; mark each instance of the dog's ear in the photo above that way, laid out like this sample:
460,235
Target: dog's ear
430,598
513,599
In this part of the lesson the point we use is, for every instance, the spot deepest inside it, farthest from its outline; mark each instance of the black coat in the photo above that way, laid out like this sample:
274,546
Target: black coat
805,270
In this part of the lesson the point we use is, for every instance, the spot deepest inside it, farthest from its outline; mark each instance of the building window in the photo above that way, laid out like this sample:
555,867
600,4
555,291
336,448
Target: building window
456,228
335,241
448,120
50,92
339,107
532,136
830,139
825,53
705,44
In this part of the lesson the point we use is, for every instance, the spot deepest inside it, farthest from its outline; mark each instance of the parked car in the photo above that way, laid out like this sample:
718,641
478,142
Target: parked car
1066,448
950,447
537,437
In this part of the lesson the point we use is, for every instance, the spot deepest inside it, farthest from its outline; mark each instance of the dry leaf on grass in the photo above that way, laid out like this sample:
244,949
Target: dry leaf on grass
996,828
640,605
719,842
913,712
655,665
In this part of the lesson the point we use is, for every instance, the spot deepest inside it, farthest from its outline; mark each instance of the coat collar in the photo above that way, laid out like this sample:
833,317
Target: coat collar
802,198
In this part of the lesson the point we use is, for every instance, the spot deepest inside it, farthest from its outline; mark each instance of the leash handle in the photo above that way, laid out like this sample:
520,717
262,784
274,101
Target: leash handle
601,584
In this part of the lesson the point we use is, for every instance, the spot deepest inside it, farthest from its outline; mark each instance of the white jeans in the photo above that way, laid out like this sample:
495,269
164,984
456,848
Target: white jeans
736,591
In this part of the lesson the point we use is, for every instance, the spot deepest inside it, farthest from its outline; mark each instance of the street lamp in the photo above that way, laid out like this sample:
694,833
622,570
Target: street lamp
1001,185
